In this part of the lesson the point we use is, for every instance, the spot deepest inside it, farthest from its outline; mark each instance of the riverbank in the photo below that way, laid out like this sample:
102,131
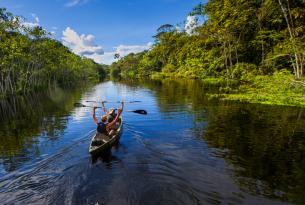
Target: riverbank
278,89
32,60
44,144
251,56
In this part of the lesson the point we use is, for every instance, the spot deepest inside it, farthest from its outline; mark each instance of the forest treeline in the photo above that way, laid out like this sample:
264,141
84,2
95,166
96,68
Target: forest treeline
31,60
238,40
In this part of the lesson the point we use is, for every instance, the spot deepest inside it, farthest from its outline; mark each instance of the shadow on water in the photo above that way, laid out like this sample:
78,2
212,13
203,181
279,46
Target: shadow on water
190,149
25,122
106,156
266,145
263,146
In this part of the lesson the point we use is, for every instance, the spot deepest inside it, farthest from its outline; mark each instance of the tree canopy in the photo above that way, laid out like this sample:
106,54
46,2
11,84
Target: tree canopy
237,37
30,59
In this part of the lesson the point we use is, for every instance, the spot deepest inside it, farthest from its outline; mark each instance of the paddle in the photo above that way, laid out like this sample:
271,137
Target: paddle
142,112
82,105
134,101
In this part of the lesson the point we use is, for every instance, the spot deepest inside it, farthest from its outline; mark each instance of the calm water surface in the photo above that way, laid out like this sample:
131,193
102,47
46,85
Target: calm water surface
189,149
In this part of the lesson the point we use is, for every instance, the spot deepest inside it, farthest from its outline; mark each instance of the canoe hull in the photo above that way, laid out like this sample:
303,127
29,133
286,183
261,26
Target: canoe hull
101,143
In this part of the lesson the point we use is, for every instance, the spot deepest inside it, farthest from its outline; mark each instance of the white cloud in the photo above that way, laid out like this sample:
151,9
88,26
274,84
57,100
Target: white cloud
122,50
107,58
84,45
53,31
179,29
80,44
72,3
35,17
191,24
31,24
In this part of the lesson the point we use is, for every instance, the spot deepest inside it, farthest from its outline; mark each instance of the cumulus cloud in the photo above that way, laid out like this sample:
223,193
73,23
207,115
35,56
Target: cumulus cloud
179,28
80,44
53,31
191,24
35,17
72,3
122,50
31,24
107,58
84,45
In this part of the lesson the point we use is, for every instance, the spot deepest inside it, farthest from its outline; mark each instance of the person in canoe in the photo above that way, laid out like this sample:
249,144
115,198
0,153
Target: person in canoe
111,114
104,127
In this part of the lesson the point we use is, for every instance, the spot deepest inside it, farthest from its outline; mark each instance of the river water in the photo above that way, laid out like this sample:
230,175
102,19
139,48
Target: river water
189,149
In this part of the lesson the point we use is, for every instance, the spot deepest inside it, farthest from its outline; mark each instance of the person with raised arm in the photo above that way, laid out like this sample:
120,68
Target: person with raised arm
111,114
104,127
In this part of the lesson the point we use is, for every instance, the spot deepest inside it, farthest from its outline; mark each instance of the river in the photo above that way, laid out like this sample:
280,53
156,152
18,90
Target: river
190,149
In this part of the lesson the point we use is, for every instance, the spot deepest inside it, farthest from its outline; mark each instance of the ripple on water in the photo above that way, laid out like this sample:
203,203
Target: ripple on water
163,157
37,181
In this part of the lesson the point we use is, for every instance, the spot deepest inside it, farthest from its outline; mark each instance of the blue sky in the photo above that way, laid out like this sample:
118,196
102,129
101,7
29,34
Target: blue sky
110,25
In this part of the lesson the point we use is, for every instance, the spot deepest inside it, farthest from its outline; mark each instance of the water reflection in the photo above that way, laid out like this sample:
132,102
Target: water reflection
106,156
266,145
190,149
263,146
26,122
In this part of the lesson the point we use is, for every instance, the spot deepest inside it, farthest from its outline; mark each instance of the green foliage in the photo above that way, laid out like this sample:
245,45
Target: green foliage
278,89
244,71
236,33
245,41
30,60
102,71
126,66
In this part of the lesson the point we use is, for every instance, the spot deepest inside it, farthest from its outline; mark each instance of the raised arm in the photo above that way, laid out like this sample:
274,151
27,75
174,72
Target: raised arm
122,107
103,106
94,117
109,125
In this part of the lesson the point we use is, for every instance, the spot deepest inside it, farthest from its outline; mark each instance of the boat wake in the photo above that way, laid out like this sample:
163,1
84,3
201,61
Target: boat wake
34,185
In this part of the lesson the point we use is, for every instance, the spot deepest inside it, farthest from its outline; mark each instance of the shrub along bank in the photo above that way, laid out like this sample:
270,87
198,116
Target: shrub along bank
257,45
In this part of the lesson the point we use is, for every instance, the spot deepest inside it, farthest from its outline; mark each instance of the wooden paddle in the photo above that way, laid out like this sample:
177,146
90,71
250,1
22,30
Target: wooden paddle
142,112
134,101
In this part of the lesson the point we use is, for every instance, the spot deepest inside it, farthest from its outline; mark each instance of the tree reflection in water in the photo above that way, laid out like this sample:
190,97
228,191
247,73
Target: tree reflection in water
264,146
25,121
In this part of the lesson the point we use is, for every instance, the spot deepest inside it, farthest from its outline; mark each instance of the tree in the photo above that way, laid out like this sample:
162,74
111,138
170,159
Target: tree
117,56
30,60
237,37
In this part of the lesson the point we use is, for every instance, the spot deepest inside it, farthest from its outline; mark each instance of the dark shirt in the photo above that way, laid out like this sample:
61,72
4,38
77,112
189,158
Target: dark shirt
101,128
111,117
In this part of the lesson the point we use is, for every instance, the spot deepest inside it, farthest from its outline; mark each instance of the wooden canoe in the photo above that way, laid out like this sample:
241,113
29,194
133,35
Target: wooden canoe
101,142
